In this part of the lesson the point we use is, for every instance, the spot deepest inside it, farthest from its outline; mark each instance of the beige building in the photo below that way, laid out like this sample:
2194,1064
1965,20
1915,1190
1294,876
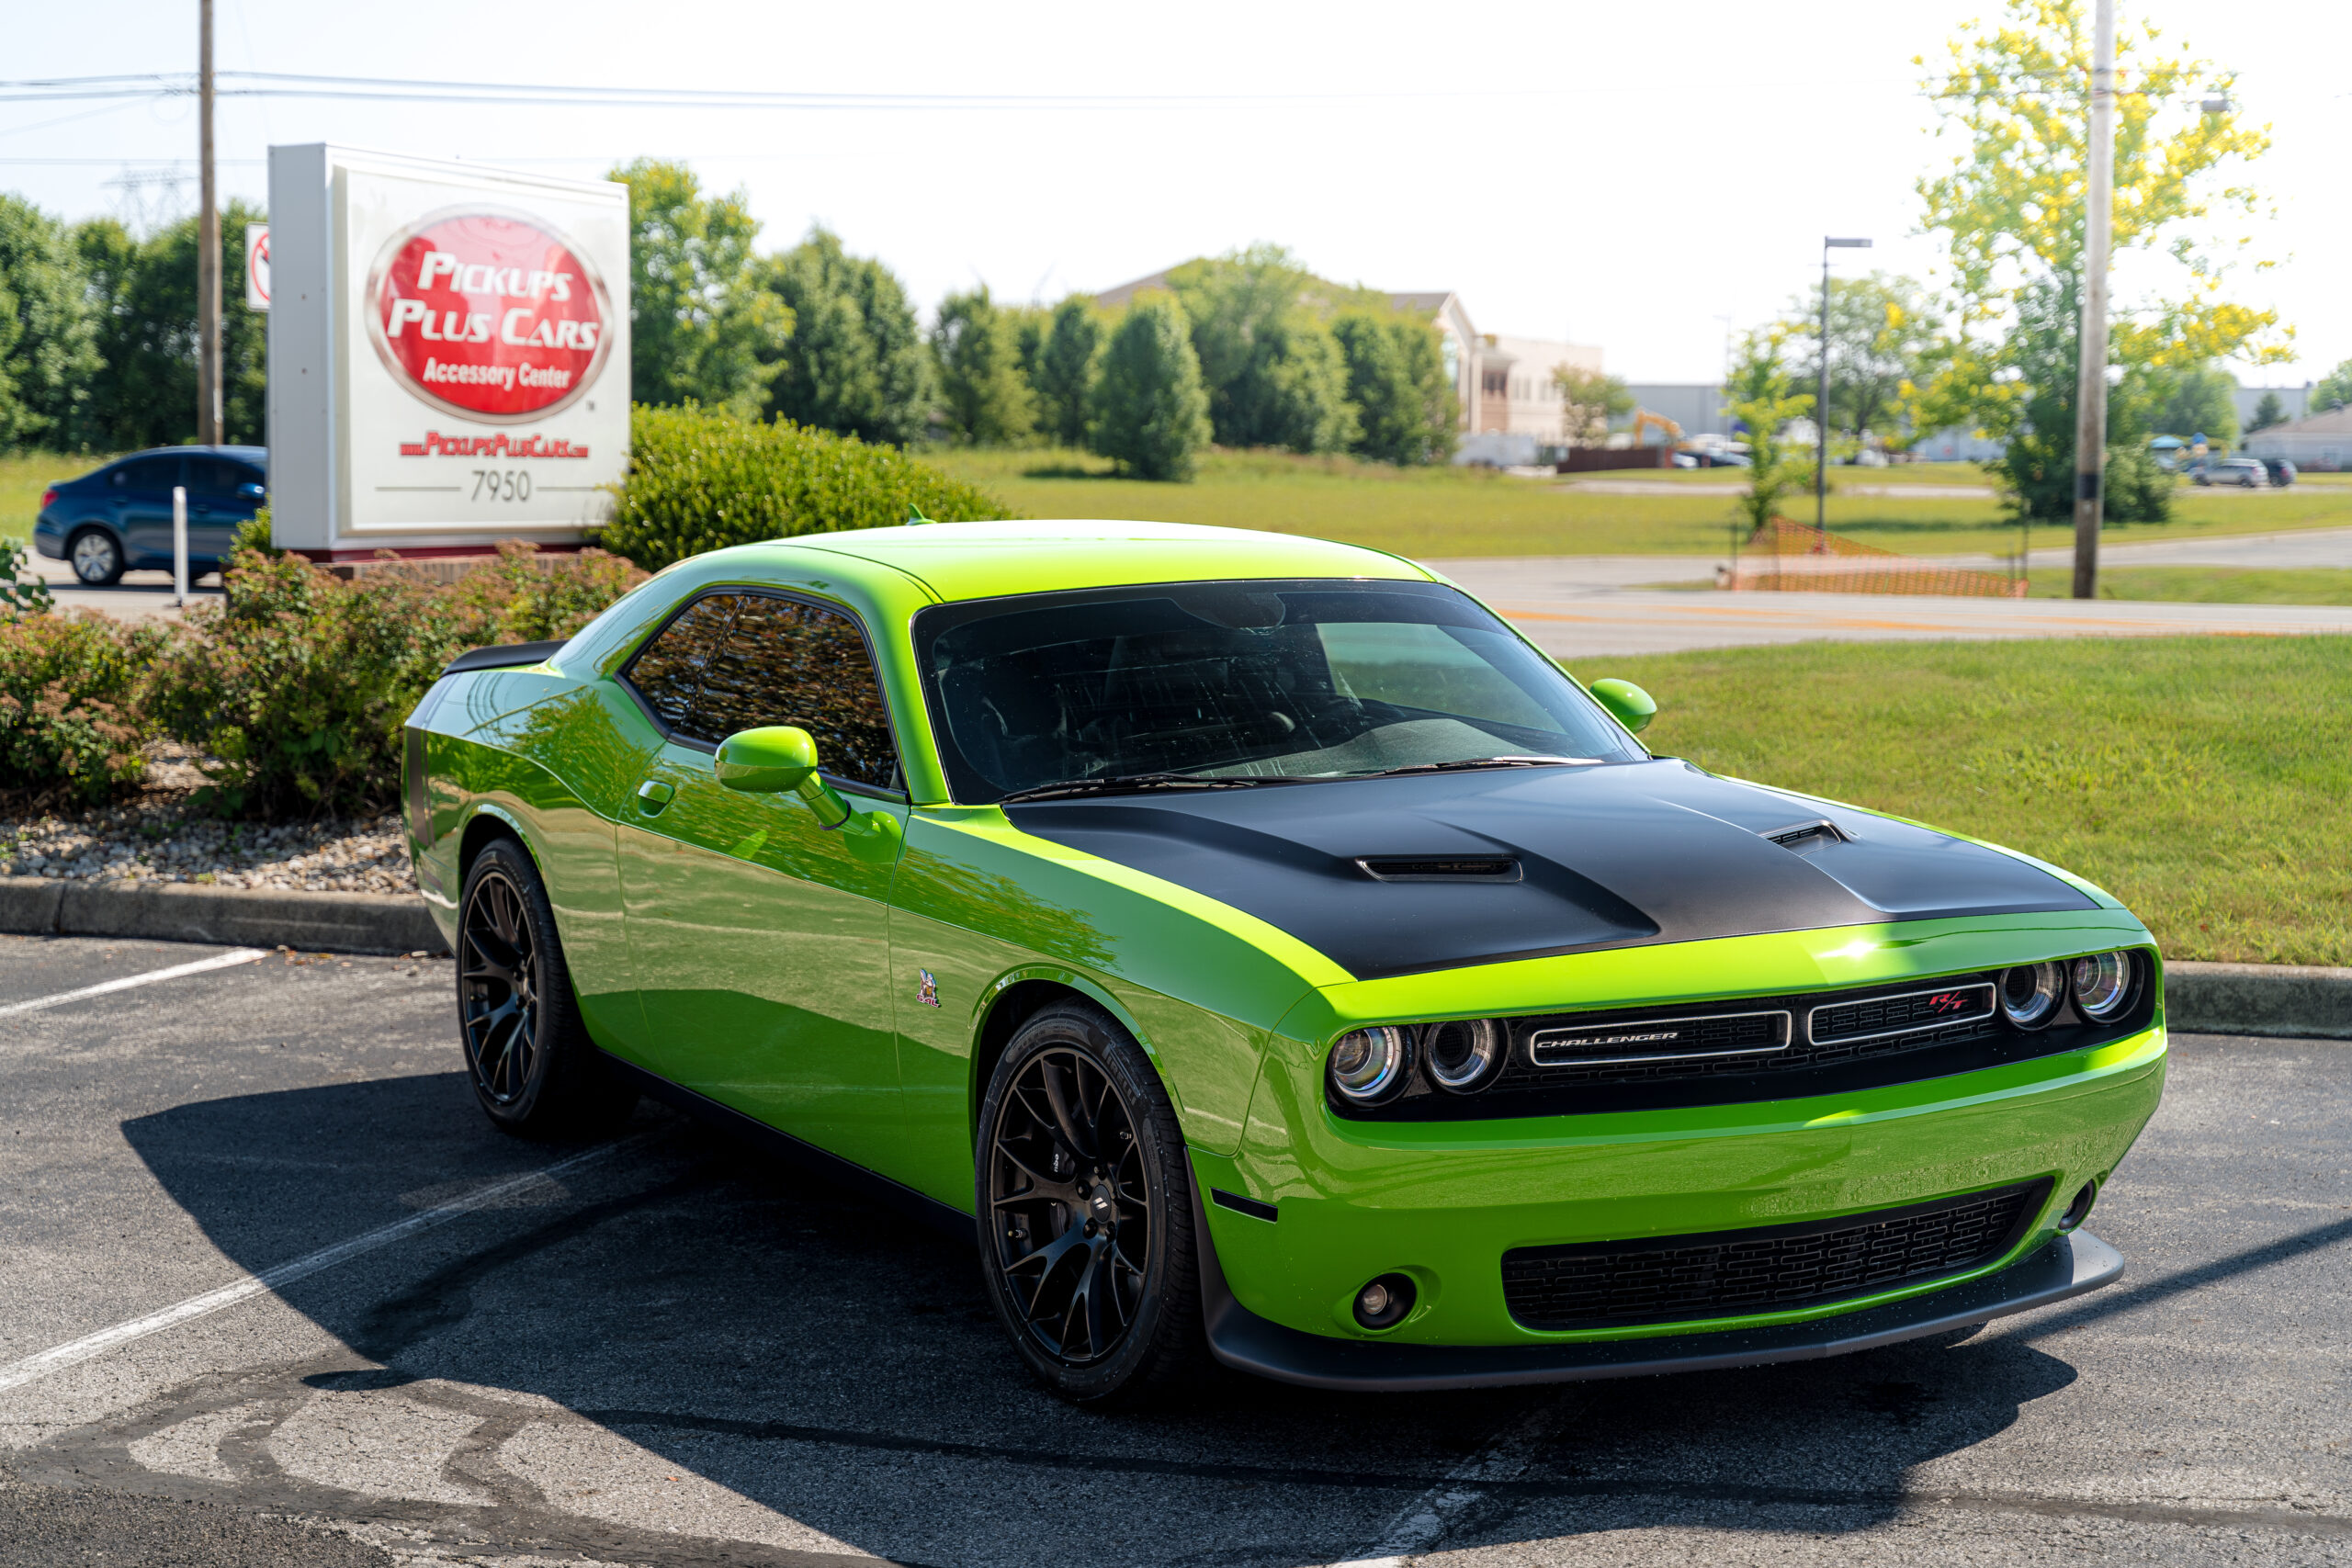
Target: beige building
2322,443
1504,383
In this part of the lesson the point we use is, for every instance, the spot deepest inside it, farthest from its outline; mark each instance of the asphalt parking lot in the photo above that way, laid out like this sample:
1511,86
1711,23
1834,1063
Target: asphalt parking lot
664,1350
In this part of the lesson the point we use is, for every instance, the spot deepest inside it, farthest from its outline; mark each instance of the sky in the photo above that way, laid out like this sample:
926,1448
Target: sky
1642,180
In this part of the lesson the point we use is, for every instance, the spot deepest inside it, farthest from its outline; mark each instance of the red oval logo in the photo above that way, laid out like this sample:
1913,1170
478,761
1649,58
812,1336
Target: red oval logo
489,315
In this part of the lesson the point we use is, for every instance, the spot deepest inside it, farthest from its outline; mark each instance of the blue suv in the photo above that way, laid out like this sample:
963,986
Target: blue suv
118,518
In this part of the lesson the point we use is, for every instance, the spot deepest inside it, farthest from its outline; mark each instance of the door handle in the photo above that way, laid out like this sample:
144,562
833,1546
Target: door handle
652,795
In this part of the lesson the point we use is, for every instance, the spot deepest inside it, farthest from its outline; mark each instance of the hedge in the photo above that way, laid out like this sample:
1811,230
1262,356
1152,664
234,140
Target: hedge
700,480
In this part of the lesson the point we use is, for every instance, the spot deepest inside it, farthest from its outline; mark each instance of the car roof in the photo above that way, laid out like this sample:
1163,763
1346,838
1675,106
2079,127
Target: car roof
257,456
986,560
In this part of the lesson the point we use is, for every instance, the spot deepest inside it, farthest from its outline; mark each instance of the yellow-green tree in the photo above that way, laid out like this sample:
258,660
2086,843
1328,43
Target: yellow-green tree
2014,94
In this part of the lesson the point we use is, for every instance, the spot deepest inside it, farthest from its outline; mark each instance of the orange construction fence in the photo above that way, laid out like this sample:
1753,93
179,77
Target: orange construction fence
1789,558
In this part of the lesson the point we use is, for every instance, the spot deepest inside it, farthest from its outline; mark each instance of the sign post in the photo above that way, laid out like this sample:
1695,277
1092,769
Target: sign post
179,545
449,354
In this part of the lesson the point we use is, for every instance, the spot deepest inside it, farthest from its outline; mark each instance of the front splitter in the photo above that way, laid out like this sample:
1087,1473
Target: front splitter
2062,1267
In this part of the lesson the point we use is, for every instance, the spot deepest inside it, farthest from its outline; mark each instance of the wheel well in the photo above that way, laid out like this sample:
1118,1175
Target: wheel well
479,833
79,529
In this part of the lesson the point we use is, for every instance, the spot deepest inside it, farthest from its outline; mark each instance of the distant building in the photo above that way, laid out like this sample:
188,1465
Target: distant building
1957,445
2322,443
2295,401
1504,384
1696,406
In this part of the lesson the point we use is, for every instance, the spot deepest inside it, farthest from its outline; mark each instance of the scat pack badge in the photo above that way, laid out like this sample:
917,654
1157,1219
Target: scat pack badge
926,989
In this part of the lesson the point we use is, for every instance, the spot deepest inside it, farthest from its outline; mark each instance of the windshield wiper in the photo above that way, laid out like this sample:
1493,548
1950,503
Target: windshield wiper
1118,783
1467,763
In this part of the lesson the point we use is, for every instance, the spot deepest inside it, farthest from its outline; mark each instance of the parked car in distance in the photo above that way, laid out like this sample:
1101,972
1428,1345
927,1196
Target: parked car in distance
2281,471
1256,948
118,518
2246,473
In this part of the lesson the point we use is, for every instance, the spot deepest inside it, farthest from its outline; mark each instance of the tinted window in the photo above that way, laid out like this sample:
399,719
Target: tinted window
218,477
1291,680
149,473
735,662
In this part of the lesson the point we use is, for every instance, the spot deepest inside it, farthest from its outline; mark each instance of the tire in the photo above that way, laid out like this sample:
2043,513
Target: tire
96,557
534,1070
1102,1316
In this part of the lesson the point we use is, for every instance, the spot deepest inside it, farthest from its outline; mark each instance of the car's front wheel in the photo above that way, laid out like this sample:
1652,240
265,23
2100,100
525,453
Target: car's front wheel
98,559
1086,1211
534,1070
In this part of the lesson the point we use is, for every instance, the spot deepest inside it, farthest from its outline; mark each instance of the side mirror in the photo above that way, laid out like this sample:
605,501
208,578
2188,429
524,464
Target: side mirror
1626,702
777,758
252,492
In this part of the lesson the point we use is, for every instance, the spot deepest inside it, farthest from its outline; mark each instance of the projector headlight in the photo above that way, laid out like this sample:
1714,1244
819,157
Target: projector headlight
2030,994
1370,1065
2104,986
1462,1055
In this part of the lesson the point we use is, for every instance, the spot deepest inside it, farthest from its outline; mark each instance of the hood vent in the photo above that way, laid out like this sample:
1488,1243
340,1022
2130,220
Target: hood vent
1805,837
1441,868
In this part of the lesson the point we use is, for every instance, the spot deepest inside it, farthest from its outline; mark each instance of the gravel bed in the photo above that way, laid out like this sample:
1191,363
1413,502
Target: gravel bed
156,836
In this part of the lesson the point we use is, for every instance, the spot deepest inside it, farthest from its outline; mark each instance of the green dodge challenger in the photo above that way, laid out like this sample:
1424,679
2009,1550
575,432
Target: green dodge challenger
1264,953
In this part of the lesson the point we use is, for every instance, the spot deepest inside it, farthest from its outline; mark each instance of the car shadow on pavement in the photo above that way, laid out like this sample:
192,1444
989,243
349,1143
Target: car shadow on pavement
690,1337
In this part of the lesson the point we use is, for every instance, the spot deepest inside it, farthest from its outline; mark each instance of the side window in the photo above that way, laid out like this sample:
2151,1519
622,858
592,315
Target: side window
216,476
155,474
786,662
668,672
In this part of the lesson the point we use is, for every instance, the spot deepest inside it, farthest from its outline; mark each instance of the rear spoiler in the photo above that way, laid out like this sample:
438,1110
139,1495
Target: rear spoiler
512,654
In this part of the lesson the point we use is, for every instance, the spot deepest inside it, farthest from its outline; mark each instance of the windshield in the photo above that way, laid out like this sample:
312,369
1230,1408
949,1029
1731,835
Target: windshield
1240,680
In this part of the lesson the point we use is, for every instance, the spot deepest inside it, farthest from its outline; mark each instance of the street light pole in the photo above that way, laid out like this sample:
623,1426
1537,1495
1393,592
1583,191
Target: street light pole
208,248
1821,400
2099,230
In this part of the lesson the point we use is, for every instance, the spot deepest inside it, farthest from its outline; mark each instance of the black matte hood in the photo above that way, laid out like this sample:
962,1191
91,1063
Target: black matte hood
1616,855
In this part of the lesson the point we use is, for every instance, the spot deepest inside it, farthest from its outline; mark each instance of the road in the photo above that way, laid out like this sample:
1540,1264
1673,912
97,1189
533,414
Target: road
671,1351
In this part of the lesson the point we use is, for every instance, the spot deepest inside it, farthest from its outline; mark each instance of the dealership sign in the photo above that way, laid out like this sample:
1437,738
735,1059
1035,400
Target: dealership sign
469,334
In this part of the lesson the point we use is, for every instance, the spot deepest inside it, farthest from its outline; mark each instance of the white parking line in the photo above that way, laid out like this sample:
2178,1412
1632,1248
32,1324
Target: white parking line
220,961
15,1374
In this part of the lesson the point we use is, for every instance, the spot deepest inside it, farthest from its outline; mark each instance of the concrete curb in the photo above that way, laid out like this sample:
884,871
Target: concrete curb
234,917
2259,999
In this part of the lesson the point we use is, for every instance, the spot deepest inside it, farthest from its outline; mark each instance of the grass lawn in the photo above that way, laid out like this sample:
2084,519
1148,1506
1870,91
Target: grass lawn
2199,780
2213,584
1466,511
23,475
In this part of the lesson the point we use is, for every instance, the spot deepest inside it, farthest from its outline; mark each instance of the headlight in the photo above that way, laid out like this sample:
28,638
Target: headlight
2103,986
2030,994
1462,1055
1370,1065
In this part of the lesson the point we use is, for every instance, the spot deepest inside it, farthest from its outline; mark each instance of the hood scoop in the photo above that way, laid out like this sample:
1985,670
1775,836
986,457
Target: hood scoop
1804,838
1440,868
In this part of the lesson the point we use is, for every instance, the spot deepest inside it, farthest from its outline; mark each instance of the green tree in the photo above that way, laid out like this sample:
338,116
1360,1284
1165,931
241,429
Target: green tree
982,392
2010,208
701,329
48,336
1881,331
1064,376
1588,401
855,361
2268,412
1762,395
1404,403
1275,374
2198,401
2333,390
142,293
2036,471
1149,412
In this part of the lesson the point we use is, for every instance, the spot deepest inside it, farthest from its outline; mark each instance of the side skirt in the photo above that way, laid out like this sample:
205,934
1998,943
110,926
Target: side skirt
2062,1267
946,1218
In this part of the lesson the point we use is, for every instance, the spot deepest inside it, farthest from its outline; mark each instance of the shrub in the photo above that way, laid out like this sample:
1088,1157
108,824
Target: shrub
523,596
1150,414
701,480
66,724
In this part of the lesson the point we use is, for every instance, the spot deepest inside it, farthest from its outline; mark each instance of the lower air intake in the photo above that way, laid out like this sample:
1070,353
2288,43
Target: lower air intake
1680,1279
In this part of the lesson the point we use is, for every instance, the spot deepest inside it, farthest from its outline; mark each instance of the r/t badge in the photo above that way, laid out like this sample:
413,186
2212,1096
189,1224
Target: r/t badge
926,989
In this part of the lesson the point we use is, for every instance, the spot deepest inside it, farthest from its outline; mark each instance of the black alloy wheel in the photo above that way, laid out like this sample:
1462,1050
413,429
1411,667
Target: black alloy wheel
1086,1209
533,1067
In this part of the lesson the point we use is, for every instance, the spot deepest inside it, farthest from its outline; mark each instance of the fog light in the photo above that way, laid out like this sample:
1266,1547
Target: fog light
2030,994
2080,1209
1370,1065
1384,1302
2102,986
1463,1054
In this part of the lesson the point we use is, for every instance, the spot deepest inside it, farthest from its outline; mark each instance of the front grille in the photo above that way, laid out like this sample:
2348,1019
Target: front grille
1907,1013
1682,1278
1650,1041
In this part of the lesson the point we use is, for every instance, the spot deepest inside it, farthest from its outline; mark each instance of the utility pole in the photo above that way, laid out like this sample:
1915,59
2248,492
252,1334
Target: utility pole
1821,402
2098,233
208,248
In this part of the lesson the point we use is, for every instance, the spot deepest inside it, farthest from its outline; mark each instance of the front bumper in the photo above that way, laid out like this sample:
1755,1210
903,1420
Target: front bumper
2062,1267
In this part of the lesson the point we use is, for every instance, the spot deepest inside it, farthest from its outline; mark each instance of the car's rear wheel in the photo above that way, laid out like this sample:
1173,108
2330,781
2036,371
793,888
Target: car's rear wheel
97,558
534,1070
1086,1211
